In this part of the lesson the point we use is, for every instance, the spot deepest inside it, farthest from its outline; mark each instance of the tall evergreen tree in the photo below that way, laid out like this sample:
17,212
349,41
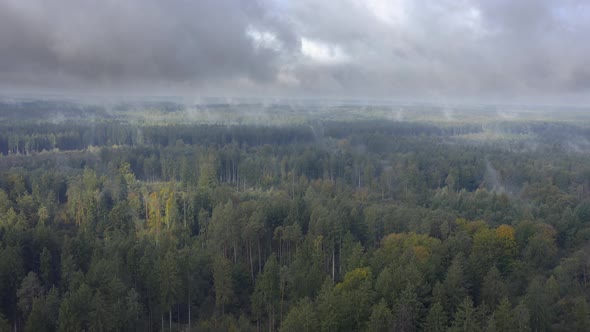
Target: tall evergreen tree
493,289
223,283
436,320
381,319
455,284
466,318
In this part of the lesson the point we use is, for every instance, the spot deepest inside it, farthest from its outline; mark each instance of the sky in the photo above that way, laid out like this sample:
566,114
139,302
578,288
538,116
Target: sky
431,50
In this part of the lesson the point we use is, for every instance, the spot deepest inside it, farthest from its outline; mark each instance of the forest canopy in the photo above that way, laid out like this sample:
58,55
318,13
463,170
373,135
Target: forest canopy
269,218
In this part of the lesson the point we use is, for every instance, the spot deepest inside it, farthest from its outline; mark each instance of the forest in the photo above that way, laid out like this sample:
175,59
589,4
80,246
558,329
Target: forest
280,217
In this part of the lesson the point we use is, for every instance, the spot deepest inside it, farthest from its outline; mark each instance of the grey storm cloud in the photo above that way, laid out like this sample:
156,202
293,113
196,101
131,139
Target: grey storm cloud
133,41
370,48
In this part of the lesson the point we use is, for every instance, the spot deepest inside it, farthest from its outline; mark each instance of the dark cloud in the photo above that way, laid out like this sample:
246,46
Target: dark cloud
433,49
125,42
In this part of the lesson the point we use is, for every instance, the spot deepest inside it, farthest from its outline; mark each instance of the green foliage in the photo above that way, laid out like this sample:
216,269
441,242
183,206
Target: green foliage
504,317
133,310
407,310
581,312
538,302
168,279
38,319
383,226
522,318
436,321
265,299
302,317
381,319
99,316
223,283
466,317
29,291
4,325
455,284
493,289
328,304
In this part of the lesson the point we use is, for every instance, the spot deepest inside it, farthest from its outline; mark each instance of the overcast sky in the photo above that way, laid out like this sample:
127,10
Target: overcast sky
525,50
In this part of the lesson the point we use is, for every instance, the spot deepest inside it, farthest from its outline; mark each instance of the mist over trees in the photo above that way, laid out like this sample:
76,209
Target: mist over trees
113,221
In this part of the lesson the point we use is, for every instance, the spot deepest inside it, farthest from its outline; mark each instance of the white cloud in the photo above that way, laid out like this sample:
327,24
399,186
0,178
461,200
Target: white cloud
390,12
323,52
264,39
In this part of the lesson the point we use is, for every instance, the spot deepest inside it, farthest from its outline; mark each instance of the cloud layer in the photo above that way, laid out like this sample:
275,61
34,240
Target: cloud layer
438,49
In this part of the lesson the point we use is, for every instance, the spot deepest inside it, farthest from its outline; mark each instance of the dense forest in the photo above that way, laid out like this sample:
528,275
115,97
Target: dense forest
112,221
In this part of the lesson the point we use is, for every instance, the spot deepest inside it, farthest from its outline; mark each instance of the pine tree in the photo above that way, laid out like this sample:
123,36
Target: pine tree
29,290
38,318
522,318
436,321
504,317
222,281
169,282
100,317
455,284
581,314
381,319
328,304
465,319
68,320
491,325
4,325
302,317
45,267
267,293
133,309
538,305
494,289
407,310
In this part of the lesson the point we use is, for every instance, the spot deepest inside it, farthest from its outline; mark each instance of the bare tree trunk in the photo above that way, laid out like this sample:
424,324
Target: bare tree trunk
333,262
259,258
282,302
250,257
145,198
269,322
359,179
184,208
340,257
151,314
280,248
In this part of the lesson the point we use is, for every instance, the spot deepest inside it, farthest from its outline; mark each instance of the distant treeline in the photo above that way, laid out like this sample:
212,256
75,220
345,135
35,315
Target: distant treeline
29,138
